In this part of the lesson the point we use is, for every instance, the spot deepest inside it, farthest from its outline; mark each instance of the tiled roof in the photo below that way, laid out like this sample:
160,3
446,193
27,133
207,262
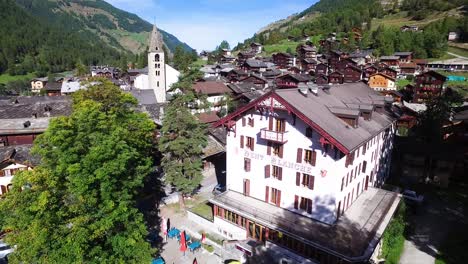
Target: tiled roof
39,106
208,118
210,87
20,154
144,97
256,63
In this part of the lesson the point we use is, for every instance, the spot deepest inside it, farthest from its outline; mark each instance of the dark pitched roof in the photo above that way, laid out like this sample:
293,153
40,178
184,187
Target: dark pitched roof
403,53
40,106
144,96
256,63
297,77
18,154
435,74
53,86
208,118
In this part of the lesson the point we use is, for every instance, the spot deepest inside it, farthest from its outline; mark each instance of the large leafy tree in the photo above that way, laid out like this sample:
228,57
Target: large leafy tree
182,141
78,206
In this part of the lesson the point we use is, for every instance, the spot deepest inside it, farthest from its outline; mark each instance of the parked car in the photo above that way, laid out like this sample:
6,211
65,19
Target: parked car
218,189
5,250
411,196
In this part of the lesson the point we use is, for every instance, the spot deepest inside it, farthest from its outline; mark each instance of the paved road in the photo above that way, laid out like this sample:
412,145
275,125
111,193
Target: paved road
413,255
456,55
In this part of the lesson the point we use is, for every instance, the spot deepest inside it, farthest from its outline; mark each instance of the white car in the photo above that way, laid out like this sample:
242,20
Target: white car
5,250
412,196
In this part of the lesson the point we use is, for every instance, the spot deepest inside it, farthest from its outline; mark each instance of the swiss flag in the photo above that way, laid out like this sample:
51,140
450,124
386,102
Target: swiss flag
323,173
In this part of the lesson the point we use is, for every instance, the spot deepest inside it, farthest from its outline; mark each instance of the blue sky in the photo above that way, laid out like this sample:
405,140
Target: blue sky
203,24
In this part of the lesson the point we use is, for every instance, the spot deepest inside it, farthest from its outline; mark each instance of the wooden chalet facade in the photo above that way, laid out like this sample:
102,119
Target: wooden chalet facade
256,80
428,85
392,61
321,68
336,77
381,82
291,80
408,68
243,56
389,72
321,79
352,74
283,60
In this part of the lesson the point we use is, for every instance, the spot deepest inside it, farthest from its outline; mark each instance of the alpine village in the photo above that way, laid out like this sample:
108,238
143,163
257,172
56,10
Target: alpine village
337,135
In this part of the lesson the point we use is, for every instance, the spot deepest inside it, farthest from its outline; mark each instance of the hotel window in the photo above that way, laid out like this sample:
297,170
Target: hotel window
250,143
309,132
277,150
342,183
247,164
280,125
308,181
310,157
277,172
251,121
275,196
303,204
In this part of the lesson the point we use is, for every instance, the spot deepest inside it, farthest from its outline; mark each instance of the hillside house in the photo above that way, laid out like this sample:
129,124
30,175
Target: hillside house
283,60
37,84
391,61
291,80
256,47
352,74
256,80
428,85
404,57
336,77
215,93
381,82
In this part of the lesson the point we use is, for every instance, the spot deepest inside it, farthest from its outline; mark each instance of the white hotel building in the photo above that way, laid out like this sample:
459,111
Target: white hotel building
302,167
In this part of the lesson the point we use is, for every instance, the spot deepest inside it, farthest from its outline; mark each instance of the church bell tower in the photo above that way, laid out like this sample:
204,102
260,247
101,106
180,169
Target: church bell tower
157,66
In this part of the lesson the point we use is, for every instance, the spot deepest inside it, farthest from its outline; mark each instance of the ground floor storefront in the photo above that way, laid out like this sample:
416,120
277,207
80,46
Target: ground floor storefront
352,239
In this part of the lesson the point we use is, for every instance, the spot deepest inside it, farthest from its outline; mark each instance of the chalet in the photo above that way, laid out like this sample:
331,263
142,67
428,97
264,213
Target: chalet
297,161
334,57
421,65
404,57
254,65
352,74
321,68
283,60
227,59
381,82
226,52
291,80
308,65
37,84
305,51
370,70
408,69
234,75
256,80
215,93
367,55
321,79
204,55
243,56
256,47
342,64
428,85
53,88
12,160
271,74
105,71
336,77
392,61
244,93
389,72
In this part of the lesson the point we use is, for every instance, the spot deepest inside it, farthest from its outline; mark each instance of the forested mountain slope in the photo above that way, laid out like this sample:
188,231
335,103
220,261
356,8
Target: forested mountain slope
99,19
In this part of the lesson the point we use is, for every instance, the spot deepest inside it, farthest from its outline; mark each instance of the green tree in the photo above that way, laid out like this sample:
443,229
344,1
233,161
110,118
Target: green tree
182,141
81,69
78,206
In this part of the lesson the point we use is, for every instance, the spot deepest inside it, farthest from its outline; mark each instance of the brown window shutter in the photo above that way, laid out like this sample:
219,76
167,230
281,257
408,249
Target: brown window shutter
364,149
299,155
298,178
267,190
280,176
280,154
243,121
296,202
278,198
314,158
311,182
364,166
248,187
242,141
269,148
309,206
253,122
267,171
270,123
284,126
253,144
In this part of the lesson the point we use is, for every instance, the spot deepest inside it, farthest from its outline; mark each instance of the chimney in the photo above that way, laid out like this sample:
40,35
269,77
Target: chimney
27,124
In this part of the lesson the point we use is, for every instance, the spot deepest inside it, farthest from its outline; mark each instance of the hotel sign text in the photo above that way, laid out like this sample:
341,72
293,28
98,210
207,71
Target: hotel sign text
279,162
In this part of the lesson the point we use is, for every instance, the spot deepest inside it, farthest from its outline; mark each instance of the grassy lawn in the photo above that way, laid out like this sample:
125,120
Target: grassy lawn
393,237
401,83
281,47
204,210
401,19
5,78
458,51
446,56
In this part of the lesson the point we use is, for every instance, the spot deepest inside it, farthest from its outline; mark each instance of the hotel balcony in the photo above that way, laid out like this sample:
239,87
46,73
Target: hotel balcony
275,136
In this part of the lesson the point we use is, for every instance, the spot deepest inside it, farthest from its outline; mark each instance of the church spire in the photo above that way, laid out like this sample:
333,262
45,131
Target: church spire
156,41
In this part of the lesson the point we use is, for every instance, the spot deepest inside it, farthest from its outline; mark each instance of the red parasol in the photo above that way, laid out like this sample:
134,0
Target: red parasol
203,238
195,261
183,243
